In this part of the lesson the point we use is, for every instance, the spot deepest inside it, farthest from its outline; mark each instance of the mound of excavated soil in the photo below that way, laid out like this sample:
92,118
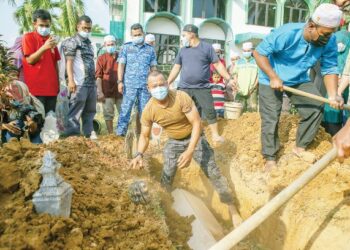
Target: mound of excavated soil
102,217
318,217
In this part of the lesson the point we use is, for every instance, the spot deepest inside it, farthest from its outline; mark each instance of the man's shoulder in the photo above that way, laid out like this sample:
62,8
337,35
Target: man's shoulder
28,35
72,41
289,29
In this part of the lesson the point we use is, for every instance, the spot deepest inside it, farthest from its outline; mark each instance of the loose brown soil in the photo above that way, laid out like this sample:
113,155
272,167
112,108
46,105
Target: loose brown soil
103,217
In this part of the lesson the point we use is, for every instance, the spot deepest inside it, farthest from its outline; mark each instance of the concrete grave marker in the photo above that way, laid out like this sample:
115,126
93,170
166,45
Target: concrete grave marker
54,195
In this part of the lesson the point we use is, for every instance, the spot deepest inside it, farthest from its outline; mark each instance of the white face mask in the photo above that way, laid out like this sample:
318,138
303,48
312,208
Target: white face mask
341,47
185,42
44,31
84,34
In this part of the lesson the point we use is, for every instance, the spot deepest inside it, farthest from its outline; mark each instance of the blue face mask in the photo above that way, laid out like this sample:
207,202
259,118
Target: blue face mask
138,39
44,31
160,93
247,54
111,49
84,34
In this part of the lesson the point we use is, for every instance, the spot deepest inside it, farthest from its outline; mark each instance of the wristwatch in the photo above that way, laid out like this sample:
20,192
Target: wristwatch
138,154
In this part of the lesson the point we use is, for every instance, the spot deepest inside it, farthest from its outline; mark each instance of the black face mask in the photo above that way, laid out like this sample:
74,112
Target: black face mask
321,40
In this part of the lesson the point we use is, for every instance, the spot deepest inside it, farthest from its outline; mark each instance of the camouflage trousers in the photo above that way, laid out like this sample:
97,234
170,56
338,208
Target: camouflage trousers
204,156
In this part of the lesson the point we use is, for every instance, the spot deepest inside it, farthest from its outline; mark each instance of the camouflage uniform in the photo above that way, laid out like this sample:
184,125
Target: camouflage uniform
138,60
204,156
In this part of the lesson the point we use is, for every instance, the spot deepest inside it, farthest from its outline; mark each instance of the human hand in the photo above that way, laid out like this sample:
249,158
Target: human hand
120,88
342,142
72,87
276,83
50,43
185,159
100,97
137,162
12,128
336,102
31,125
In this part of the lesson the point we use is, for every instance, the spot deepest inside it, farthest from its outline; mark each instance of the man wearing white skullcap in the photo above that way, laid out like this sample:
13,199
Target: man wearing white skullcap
284,58
150,39
246,77
106,80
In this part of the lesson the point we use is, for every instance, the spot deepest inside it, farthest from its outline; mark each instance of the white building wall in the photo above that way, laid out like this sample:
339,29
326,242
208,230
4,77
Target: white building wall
133,13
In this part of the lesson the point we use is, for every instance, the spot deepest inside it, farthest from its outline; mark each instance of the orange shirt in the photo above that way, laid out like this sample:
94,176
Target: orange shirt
42,77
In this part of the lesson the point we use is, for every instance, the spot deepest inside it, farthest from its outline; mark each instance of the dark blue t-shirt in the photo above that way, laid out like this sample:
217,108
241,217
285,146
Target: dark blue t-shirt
195,65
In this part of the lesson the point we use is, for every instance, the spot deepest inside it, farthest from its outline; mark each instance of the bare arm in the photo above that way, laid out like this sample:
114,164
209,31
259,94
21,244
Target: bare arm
142,146
70,74
264,64
344,83
174,73
121,70
194,118
331,83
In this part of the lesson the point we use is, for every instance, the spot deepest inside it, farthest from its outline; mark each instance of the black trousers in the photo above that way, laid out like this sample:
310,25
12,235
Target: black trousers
49,103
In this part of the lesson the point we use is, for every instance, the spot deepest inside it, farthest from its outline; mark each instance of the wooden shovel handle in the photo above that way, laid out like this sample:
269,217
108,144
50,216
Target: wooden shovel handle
312,96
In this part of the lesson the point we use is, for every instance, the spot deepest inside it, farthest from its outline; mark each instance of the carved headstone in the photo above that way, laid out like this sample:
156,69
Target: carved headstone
54,195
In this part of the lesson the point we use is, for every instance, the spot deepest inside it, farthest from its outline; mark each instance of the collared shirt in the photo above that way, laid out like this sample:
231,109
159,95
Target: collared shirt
138,60
247,73
107,70
83,65
291,56
41,77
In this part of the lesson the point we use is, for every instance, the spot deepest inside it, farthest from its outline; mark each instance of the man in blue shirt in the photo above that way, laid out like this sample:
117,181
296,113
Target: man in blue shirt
284,58
136,60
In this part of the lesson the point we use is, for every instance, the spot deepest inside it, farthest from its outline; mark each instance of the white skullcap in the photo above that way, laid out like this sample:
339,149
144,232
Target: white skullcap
150,38
247,46
109,38
327,15
216,46
233,54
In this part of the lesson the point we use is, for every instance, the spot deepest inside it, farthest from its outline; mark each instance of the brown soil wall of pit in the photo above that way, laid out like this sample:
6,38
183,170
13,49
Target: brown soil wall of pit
317,218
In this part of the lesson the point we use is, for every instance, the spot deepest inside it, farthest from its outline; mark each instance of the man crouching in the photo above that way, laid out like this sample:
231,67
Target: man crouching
177,114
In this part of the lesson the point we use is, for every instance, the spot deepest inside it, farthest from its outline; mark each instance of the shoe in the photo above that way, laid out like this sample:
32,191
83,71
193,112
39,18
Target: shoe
93,136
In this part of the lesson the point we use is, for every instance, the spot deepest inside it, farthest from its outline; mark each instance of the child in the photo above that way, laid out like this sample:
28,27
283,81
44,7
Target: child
218,93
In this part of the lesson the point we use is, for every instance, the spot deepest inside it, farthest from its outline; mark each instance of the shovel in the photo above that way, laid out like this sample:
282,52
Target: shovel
274,204
312,96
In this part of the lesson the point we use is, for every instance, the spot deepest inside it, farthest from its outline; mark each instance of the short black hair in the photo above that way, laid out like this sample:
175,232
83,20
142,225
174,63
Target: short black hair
136,26
84,18
41,14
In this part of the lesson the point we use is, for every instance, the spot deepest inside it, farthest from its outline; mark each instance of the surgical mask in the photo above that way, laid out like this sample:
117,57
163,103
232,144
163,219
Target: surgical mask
44,31
84,34
321,40
341,47
247,54
111,49
160,93
185,42
138,39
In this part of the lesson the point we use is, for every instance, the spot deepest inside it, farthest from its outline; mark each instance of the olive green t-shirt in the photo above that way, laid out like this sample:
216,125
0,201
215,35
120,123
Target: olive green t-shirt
171,118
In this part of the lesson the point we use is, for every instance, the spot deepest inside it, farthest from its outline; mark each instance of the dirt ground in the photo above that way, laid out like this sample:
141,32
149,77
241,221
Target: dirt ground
318,217
103,217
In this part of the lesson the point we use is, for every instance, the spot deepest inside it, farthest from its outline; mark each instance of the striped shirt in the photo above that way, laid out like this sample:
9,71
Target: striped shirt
218,93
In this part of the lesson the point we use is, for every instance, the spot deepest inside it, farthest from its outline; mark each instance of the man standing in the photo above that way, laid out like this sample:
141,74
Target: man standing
284,57
106,78
81,79
177,114
246,76
40,61
136,59
194,61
